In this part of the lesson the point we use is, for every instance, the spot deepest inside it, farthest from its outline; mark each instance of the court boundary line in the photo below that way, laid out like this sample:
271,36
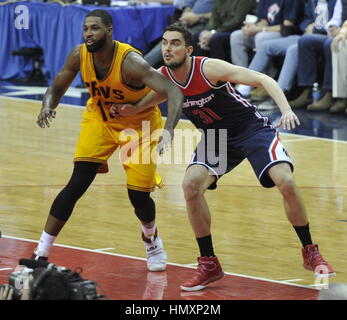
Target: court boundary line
165,185
311,287
184,120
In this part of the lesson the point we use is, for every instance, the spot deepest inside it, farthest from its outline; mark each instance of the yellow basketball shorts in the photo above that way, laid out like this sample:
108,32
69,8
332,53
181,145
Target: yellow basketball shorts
137,148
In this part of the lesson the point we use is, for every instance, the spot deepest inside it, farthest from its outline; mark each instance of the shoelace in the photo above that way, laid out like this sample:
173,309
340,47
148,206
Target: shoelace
314,256
154,250
206,266
203,269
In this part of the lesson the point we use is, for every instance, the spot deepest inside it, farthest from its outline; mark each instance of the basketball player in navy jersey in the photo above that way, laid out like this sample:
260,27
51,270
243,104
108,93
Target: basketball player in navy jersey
212,103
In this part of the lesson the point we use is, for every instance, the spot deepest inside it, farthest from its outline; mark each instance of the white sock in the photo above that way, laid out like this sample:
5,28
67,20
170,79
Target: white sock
149,232
46,242
244,90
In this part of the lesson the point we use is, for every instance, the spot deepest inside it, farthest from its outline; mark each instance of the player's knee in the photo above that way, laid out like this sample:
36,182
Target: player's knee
82,176
192,188
143,204
139,199
286,185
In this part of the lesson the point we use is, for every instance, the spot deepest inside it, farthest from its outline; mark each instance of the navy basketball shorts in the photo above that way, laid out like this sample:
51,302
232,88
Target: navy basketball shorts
220,151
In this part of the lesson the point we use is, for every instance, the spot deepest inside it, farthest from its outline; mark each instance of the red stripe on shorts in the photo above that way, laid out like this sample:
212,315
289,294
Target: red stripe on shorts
273,150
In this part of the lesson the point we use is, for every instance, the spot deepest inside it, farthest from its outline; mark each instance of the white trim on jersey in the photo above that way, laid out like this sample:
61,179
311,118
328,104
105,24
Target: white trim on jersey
206,80
272,149
237,97
189,79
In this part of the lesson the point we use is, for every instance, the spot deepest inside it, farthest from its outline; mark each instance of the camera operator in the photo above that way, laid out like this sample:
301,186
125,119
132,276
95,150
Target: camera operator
41,280
54,286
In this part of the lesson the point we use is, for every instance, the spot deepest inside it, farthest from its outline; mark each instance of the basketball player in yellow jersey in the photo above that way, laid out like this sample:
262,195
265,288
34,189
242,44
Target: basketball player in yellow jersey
114,72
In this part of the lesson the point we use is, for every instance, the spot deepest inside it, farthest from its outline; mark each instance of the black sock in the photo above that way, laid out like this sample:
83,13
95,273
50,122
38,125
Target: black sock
304,234
205,246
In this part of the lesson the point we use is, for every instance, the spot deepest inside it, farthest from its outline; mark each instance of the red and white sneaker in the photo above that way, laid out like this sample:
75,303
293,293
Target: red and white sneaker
315,262
39,255
209,270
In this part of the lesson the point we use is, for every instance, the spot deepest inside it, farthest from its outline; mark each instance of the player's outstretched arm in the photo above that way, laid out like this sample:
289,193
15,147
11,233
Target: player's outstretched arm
125,109
218,70
136,68
139,69
59,86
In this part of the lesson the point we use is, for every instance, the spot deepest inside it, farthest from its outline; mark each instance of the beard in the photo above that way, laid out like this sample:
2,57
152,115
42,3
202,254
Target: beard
175,65
96,46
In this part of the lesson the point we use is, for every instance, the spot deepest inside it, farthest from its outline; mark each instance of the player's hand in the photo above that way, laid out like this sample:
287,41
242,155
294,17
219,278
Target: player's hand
189,18
204,39
165,140
6,292
45,117
123,110
288,120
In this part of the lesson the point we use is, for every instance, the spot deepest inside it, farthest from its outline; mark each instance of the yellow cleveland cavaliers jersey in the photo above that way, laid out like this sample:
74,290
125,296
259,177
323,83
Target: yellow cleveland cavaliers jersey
111,89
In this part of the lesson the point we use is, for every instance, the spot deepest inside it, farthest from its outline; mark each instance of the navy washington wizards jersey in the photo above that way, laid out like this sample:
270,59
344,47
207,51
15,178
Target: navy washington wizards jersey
213,107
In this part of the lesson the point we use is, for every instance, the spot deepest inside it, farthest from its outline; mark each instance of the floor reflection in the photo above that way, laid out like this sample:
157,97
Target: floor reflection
155,286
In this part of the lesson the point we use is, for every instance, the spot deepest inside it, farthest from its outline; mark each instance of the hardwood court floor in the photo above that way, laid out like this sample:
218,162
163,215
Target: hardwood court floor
251,233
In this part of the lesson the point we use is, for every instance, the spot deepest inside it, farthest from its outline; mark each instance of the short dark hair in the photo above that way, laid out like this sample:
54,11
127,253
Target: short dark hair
106,18
54,286
182,29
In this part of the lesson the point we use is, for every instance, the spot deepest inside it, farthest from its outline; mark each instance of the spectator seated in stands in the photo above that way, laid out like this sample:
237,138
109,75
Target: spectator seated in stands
287,47
312,48
339,51
273,15
227,16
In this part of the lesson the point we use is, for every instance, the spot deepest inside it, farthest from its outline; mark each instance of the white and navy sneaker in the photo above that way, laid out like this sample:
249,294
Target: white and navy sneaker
39,255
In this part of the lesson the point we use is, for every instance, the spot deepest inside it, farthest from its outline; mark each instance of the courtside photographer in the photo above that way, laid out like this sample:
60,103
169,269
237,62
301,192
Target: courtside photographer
41,280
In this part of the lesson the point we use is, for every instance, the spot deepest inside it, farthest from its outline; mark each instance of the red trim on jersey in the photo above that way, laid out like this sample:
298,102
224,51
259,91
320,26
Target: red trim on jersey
273,149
